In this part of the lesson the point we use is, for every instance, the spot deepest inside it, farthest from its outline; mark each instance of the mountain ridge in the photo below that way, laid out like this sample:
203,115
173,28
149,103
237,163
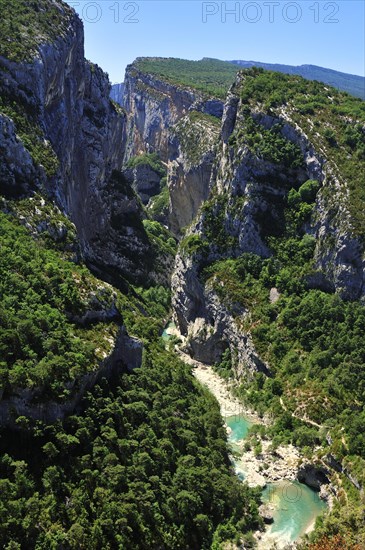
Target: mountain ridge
351,83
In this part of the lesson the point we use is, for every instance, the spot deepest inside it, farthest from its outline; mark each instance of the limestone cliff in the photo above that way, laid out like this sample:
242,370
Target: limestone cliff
154,105
181,124
248,196
117,92
66,138
209,326
192,150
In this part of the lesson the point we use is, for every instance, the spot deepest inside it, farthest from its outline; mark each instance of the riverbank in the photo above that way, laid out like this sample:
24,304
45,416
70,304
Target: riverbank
289,507
267,467
229,404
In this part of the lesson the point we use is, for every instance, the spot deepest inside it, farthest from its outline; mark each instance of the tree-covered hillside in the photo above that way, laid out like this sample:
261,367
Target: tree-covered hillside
144,466
310,339
352,84
211,76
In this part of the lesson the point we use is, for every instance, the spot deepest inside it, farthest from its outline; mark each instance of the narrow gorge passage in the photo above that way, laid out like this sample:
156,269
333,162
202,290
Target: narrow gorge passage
292,506
229,200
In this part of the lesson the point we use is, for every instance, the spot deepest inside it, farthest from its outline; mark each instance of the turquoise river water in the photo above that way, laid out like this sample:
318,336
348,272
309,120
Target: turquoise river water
295,506
166,335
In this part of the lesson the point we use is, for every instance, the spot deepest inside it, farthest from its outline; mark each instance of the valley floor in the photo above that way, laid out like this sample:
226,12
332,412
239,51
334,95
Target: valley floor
279,467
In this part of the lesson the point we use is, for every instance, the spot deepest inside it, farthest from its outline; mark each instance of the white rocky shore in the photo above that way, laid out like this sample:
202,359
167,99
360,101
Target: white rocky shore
280,465
268,466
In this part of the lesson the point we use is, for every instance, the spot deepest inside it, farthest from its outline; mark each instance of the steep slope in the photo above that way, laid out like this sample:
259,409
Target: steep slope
72,139
350,83
61,328
192,140
262,274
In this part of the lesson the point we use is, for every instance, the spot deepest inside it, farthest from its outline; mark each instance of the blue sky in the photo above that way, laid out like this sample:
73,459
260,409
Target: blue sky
329,34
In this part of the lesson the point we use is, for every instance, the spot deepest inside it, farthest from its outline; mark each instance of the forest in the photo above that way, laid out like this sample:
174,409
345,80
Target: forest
144,463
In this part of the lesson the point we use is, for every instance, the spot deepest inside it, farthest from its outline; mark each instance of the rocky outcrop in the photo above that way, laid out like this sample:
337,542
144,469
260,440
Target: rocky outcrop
144,180
208,326
313,476
62,136
266,512
117,93
126,354
338,466
339,253
154,105
182,126
17,170
192,151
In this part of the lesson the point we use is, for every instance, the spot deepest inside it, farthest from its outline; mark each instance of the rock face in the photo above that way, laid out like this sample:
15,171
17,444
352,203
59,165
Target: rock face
313,476
126,354
191,150
61,135
266,513
17,170
252,199
337,465
68,99
209,327
144,180
339,255
154,106
117,92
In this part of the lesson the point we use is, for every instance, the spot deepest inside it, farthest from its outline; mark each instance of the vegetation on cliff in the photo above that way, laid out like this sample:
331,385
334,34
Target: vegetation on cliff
41,292
196,133
210,76
150,159
25,25
309,337
334,122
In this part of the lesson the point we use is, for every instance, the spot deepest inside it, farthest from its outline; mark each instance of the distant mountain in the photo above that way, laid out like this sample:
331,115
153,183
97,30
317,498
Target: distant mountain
353,84
116,93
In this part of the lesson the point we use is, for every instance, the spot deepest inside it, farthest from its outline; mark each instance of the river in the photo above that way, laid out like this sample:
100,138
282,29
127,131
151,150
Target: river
294,506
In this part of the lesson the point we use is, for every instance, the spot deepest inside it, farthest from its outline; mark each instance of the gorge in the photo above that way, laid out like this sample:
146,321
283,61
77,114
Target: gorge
234,208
